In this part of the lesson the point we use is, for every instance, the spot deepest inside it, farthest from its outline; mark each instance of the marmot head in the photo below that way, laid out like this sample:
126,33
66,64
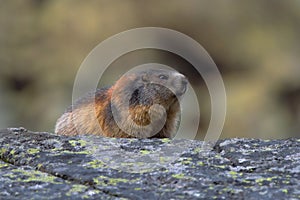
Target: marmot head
152,86
135,93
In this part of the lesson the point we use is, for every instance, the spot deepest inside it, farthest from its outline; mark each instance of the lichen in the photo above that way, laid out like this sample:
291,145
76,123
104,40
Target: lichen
2,151
32,151
34,176
145,152
76,189
96,164
178,176
77,142
165,140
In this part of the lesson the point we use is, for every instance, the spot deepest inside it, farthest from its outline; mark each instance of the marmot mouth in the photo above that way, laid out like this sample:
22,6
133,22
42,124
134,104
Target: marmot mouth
183,88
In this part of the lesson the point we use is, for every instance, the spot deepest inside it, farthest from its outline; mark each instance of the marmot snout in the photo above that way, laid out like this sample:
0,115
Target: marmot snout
127,108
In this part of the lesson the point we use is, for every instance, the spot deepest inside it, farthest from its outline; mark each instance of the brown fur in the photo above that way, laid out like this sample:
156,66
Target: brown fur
91,115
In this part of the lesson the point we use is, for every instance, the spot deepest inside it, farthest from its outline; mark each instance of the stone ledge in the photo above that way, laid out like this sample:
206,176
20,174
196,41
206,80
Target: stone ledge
36,165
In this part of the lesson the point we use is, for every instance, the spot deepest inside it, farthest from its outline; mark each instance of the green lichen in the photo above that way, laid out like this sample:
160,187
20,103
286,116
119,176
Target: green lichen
221,166
234,174
39,166
115,181
286,182
107,181
260,181
76,189
162,159
211,188
246,181
226,189
197,150
82,142
4,165
165,140
2,151
32,176
10,175
77,142
217,156
187,161
284,191
145,152
129,164
73,142
12,152
200,163
96,164
178,176
32,151
96,181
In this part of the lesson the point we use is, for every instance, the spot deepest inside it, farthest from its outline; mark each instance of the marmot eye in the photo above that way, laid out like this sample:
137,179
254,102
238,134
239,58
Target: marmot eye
164,77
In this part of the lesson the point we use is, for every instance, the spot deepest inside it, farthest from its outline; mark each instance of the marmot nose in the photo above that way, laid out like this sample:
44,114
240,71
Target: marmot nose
183,82
183,79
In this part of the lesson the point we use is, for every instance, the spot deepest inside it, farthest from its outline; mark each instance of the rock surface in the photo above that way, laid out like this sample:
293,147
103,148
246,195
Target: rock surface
36,165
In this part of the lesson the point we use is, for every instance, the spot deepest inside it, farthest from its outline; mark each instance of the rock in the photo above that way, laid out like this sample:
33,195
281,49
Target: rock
35,165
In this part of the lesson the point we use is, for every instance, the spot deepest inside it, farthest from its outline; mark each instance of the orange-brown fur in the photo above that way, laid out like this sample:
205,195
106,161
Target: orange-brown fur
94,115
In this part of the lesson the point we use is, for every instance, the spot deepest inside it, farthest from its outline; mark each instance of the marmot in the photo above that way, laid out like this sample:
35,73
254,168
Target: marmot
97,112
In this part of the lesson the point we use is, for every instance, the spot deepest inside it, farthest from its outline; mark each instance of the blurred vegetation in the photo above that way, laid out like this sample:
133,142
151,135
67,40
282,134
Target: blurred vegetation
254,43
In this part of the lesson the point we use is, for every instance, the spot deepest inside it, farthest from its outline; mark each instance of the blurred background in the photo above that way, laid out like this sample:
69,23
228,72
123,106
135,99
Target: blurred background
255,45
